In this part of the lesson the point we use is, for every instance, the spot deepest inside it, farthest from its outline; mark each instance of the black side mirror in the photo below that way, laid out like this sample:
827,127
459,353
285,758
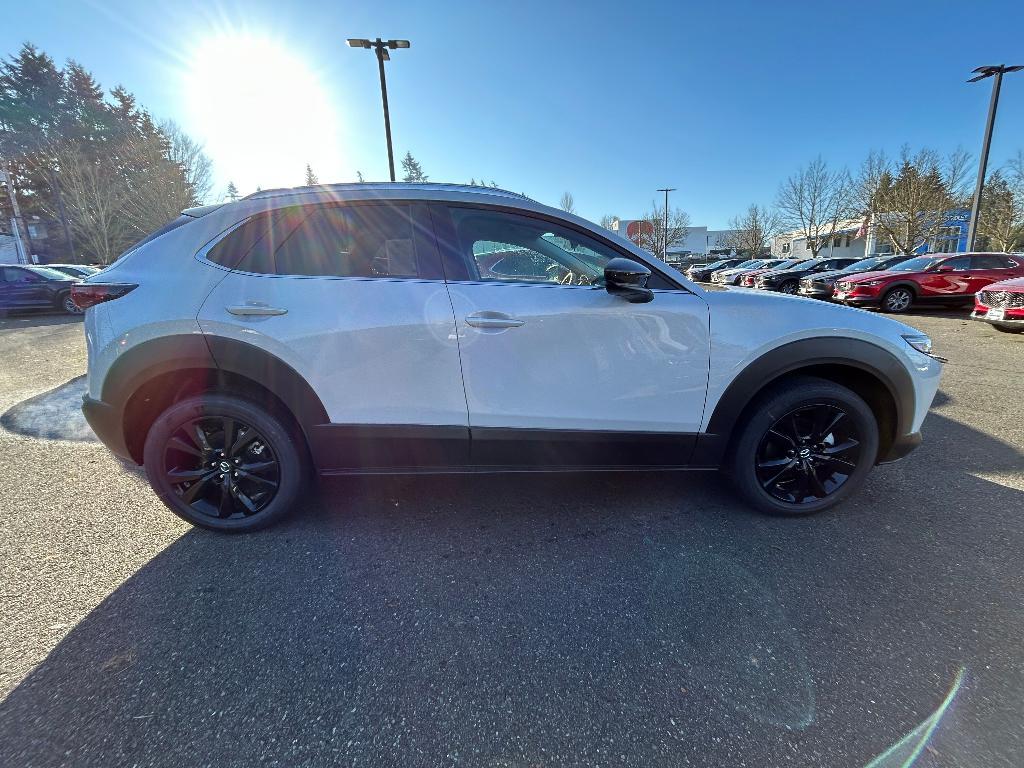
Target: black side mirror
628,279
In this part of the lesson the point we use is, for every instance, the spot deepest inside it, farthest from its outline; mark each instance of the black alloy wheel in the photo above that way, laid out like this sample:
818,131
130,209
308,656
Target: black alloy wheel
804,445
223,462
221,468
790,286
808,454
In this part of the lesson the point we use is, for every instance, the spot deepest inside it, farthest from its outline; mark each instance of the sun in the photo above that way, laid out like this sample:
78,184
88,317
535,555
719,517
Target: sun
261,110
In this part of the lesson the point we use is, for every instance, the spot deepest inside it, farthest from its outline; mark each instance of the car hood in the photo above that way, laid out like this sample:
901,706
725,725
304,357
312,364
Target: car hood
1015,284
836,273
859,277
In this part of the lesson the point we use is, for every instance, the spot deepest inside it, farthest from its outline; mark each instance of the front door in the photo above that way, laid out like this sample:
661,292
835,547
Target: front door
556,370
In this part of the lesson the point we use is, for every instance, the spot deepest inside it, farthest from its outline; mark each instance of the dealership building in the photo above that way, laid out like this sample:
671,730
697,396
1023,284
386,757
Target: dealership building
699,243
855,239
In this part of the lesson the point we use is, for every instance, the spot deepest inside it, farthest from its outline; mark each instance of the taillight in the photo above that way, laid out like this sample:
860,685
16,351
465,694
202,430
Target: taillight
87,295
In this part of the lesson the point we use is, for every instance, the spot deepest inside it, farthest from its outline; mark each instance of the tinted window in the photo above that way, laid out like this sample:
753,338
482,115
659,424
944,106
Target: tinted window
512,248
16,275
990,261
961,264
230,251
355,241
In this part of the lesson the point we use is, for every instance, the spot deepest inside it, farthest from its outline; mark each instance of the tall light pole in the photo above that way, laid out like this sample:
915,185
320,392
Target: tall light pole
666,190
988,71
381,47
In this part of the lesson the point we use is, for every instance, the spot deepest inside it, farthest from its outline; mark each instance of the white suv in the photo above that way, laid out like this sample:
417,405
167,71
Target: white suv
405,328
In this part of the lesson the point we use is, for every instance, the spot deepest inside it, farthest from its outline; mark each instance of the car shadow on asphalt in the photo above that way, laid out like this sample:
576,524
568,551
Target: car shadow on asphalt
633,619
23,320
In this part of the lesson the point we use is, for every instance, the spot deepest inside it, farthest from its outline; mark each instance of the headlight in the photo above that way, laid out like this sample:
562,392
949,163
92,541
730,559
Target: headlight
922,344
872,282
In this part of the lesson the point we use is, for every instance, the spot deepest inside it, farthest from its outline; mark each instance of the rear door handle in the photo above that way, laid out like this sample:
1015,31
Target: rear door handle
489,319
255,310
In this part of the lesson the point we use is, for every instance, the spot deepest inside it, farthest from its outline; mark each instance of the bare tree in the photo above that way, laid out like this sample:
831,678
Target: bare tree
607,220
816,201
752,232
655,237
567,203
1001,219
914,196
95,197
189,155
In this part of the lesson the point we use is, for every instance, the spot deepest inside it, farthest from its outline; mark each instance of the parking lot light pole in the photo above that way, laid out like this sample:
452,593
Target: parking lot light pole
666,190
997,70
381,47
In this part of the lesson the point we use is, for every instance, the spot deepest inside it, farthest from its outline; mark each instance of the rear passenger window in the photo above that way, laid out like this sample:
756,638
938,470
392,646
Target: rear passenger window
325,241
356,241
990,261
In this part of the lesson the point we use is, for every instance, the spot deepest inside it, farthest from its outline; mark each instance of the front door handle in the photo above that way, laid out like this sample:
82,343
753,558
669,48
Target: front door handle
488,319
255,310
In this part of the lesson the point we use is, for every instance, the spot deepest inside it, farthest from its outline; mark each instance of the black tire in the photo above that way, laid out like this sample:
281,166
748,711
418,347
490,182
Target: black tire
242,485
790,286
765,446
897,300
65,304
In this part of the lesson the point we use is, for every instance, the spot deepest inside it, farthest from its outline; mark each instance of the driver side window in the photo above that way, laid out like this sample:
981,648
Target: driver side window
508,247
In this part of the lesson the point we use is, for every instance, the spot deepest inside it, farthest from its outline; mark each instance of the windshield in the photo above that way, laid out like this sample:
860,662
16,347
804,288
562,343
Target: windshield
919,264
49,274
750,263
864,265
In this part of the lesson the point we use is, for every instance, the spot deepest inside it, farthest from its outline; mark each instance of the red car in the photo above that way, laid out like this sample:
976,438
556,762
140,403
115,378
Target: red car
1001,305
937,279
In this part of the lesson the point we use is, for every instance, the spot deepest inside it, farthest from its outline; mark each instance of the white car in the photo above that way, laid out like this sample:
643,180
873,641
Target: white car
422,328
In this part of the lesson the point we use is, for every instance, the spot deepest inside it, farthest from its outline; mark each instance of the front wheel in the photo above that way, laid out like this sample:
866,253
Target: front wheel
808,445
224,463
897,300
790,286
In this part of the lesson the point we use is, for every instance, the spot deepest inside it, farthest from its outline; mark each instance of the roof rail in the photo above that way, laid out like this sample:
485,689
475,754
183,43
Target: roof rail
384,185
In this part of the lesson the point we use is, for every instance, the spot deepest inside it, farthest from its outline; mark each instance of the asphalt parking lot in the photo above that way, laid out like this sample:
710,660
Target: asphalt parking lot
640,620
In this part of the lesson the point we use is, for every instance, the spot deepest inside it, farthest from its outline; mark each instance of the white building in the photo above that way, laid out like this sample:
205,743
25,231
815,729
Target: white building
699,243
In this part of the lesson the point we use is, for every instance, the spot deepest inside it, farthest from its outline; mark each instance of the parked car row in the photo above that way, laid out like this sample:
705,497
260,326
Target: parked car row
992,282
31,287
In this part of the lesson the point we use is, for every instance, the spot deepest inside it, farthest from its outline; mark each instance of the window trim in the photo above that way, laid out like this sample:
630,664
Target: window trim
457,270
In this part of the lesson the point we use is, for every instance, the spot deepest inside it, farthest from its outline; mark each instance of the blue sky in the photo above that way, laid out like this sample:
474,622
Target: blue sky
607,100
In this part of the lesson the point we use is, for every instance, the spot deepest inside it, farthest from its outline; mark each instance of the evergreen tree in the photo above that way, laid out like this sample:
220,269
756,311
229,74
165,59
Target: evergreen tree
311,179
359,177
412,168
232,192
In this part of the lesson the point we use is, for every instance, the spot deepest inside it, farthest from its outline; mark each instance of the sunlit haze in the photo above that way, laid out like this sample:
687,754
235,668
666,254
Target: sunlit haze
261,110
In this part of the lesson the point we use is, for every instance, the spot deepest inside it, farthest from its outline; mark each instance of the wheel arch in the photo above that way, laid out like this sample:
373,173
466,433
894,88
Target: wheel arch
874,373
150,377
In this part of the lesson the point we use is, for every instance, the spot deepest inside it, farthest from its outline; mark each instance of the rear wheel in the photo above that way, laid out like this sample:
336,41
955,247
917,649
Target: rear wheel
809,444
897,300
224,463
790,286
68,305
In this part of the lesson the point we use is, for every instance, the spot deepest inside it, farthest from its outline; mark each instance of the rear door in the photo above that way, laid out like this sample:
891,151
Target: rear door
988,268
352,297
24,288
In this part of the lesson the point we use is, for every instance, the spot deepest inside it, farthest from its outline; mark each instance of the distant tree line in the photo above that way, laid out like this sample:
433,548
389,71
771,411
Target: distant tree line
94,164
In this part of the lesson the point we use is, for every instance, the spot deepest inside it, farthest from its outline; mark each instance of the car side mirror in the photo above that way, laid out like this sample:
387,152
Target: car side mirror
628,279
